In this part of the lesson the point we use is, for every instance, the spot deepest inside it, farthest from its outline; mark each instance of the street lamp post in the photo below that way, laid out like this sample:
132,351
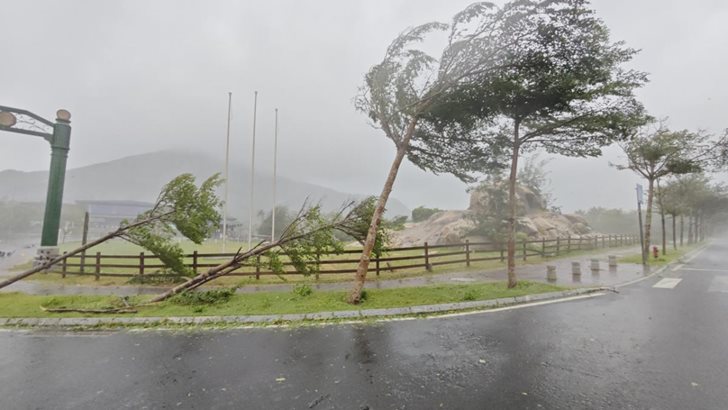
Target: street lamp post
58,134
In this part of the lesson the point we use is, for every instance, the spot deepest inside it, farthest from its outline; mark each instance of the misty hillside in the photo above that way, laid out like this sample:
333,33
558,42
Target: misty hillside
140,178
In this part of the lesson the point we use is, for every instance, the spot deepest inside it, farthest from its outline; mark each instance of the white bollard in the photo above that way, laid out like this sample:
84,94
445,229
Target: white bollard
576,268
612,261
551,273
595,264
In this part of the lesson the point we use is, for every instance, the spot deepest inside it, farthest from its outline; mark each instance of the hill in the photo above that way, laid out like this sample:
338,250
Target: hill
140,177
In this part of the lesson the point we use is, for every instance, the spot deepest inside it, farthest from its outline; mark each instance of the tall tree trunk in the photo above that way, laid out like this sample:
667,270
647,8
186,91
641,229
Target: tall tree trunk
662,218
674,232
512,206
363,267
648,215
682,229
690,228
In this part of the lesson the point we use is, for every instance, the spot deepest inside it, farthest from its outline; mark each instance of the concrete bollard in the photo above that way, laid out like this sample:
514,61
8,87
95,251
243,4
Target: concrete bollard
576,268
551,273
612,261
595,264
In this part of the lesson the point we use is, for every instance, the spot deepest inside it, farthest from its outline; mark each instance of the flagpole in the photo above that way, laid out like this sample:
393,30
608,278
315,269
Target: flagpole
275,167
252,174
227,175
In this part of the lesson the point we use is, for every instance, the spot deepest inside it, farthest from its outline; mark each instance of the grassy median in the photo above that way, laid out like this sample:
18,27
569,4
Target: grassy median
302,300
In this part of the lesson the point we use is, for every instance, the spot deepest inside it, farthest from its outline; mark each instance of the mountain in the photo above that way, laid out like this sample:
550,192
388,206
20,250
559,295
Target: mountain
140,178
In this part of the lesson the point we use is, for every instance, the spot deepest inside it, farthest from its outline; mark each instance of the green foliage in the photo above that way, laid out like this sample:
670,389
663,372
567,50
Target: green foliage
358,221
470,295
558,84
396,223
491,217
303,290
206,297
534,176
181,208
421,213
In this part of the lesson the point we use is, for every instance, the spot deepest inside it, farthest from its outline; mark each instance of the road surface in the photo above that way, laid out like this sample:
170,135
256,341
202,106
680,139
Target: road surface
658,344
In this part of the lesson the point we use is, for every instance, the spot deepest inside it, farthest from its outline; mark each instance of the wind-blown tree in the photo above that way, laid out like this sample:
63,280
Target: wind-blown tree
565,91
659,153
309,235
181,208
404,85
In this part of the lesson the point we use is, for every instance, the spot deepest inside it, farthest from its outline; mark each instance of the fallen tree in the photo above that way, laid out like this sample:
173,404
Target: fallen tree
181,207
303,241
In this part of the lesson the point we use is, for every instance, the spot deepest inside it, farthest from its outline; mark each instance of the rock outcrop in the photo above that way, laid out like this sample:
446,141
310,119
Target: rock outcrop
535,221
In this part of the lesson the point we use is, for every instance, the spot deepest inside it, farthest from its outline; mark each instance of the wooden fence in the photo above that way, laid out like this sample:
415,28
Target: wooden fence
395,259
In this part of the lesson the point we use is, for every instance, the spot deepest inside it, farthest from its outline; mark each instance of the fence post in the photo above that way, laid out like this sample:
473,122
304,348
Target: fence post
97,271
502,259
524,249
318,265
579,245
568,243
141,263
543,247
194,262
558,245
427,258
64,267
467,252
257,267
84,239
376,262
596,242
603,244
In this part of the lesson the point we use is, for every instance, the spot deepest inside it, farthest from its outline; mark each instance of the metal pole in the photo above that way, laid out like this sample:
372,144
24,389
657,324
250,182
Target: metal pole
60,143
275,167
227,175
252,175
642,236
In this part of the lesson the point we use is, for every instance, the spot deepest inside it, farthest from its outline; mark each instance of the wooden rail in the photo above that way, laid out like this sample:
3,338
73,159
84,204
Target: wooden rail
423,257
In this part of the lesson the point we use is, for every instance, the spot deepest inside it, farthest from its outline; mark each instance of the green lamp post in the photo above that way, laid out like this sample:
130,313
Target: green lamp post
58,134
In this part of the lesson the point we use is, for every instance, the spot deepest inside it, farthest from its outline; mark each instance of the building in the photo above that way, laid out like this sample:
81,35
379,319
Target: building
108,215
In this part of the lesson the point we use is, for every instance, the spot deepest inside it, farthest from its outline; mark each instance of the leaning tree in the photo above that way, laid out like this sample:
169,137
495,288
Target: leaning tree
400,89
565,90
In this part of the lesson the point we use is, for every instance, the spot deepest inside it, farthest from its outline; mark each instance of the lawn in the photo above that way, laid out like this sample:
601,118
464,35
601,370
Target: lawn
662,260
23,305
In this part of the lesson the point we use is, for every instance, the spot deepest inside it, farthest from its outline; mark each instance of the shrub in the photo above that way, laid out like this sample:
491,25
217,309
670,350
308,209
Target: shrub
207,297
302,289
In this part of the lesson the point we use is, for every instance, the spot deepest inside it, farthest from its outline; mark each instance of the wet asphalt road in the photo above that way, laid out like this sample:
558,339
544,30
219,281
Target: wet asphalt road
644,348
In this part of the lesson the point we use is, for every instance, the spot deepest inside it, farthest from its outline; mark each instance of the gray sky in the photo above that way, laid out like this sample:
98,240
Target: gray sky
140,76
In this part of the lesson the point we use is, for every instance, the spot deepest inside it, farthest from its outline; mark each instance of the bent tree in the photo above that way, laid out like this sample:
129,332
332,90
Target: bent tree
399,90
181,208
565,91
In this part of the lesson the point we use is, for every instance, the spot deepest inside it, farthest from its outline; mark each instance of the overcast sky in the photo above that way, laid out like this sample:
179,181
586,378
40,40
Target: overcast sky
140,76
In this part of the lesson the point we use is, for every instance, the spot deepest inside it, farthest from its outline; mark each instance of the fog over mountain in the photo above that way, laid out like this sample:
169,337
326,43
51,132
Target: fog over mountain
141,177
140,77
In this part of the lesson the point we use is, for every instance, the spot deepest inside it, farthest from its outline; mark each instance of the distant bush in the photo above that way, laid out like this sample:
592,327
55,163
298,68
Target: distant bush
206,297
421,213
302,289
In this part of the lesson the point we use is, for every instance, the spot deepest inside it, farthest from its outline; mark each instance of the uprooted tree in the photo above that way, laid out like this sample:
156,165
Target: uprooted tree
181,208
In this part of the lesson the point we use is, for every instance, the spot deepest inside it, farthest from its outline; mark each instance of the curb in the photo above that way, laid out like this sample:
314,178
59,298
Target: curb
67,322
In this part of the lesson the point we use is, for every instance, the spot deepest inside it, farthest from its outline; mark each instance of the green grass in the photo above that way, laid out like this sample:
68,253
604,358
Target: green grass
662,260
23,305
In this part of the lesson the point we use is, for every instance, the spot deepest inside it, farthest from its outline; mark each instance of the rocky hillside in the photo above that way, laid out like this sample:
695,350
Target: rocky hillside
535,221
